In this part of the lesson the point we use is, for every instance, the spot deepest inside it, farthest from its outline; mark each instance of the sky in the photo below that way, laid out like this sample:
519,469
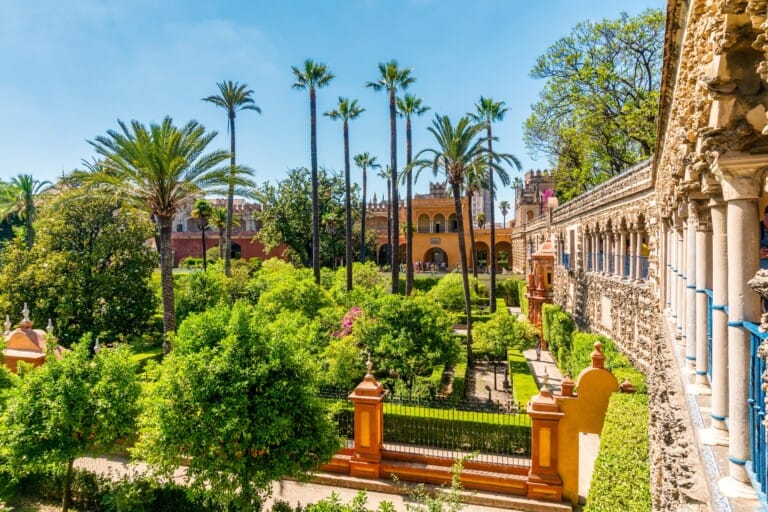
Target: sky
72,69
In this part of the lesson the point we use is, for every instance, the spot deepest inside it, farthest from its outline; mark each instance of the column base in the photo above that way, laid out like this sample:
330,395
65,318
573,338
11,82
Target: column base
698,389
732,488
714,437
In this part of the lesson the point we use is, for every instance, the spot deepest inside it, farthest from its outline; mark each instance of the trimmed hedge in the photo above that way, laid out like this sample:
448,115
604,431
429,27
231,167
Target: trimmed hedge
621,479
557,327
512,290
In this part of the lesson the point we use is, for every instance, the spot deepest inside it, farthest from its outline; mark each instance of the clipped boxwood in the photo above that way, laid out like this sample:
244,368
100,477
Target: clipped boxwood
621,479
557,327
520,377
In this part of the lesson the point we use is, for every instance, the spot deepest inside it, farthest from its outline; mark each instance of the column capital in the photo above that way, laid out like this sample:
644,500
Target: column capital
701,216
740,174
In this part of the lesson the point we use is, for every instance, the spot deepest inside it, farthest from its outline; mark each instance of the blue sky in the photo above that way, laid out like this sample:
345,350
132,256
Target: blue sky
72,69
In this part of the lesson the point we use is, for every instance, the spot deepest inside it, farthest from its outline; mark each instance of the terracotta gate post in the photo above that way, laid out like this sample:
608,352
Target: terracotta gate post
368,399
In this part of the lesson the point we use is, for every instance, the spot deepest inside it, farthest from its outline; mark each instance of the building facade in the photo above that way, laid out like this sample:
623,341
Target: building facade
435,234
660,257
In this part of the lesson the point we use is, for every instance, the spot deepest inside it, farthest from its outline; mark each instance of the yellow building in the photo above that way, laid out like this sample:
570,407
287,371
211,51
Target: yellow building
435,237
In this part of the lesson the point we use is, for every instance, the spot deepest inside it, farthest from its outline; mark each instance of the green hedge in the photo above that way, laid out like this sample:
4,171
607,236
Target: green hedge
621,479
512,290
459,376
99,494
557,327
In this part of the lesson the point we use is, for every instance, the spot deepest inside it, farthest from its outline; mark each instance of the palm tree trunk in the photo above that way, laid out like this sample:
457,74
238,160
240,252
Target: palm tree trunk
67,487
492,252
408,212
205,261
389,220
348,208
230,197
395,202
315,198
166,279
362,222
456,188
472,254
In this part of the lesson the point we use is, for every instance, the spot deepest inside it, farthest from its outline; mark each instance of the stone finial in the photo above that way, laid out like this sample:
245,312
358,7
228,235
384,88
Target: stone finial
97,347
567,385
545,386
759,285
49,327
369,366
25,323
627,387
598,359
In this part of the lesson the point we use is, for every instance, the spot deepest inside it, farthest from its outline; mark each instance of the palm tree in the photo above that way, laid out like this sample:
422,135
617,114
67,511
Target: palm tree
218,221
386,173
159,168
392,78
346,111
407,107
202,213
458,149
504,207
364,161
474,181
488,111
20,199
232,97
313,76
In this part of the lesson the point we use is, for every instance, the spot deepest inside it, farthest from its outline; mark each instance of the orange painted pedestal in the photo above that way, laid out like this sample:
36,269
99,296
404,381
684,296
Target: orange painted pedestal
368,399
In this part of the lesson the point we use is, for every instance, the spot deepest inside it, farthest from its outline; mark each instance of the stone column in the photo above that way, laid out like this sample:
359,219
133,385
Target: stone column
595,249
622,254
740,179
719,382
670,266
368,399
675,276
703,282
633,255
680,287
690,286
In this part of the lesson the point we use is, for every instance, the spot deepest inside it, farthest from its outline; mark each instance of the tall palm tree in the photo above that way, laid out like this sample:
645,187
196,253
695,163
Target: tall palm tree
232,97
159,168
202,213
218,221
347,110
20,199
504,207
392,78
386,173
313,76
364,161
489,111
407,107
474,182
458,148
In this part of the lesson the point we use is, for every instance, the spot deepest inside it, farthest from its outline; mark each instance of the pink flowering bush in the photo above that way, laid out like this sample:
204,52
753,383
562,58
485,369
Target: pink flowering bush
348,322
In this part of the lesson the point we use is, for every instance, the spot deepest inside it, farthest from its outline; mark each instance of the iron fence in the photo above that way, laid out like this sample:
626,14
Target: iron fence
342,412
758,465
495,433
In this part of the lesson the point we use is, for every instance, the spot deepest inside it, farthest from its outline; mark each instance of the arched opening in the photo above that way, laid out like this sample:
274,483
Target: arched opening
435,259
503,256
383,255
401,253
439,223
235,251
453,224
482,252
422,225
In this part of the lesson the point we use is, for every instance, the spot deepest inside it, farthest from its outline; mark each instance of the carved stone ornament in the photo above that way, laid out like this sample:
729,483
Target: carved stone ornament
759,285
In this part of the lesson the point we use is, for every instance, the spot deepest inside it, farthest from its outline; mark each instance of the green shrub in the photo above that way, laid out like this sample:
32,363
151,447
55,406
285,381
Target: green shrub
424,284
557,327
194,292
621,479
459,373
191,262
449,292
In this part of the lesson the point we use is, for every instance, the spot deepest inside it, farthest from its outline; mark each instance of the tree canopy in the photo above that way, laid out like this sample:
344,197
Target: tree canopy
596,115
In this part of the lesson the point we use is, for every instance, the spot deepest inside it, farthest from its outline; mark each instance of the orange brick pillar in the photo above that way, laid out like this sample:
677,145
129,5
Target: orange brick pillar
368,399
544,480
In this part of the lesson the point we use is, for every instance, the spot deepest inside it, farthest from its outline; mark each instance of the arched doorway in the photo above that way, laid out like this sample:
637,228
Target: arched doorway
482,253
453,223
401,253
439,223
436,259
235,251
423,223
503,256
383,256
